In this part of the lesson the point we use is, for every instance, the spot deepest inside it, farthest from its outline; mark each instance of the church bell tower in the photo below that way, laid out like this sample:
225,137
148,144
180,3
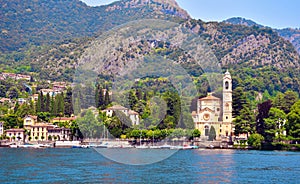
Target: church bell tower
227,98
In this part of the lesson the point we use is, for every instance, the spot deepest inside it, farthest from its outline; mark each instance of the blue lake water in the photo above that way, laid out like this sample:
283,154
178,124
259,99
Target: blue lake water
185,166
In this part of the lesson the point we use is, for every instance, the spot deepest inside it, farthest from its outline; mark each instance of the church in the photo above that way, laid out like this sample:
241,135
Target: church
214,112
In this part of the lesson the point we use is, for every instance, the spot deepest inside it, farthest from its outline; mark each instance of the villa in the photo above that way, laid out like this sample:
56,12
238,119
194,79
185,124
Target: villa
134,116
15,134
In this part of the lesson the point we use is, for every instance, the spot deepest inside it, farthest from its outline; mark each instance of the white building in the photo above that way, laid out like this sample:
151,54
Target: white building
134,116
59,134
15,134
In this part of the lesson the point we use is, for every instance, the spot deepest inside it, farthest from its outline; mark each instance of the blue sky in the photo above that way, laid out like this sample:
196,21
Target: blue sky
272,13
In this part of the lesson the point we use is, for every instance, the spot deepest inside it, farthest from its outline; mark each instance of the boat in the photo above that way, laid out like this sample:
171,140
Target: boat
126,146
80,146
186,147
165,146
29,146
176,147
45,145
13,146
142,147
154,147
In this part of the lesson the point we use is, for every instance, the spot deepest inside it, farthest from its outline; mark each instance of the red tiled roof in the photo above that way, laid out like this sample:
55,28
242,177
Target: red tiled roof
15,130
209,98
33,117
64,118
117,107
131,112
42,125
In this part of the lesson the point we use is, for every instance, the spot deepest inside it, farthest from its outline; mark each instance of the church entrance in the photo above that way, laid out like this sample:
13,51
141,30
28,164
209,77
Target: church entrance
206,130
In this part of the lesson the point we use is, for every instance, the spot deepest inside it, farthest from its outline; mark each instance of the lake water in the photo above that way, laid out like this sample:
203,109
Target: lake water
185,166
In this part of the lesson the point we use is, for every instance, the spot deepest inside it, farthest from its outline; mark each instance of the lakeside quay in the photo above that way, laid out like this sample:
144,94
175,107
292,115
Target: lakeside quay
116,143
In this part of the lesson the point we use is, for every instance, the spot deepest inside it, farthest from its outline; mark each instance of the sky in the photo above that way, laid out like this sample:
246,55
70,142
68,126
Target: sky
272,13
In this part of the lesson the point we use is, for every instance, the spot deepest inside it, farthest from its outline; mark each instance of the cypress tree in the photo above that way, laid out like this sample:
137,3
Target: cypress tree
60,104
42,102
48,102
106,98
39,103
212,134
68,103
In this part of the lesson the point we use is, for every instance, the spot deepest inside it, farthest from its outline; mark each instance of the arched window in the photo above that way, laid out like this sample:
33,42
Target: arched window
227,106
226,85
206,130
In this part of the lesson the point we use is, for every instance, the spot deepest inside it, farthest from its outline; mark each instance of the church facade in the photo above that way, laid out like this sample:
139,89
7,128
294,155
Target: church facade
215,112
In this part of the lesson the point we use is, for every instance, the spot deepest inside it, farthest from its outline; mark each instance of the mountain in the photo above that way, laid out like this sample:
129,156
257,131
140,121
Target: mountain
290,34
242,21
37,22
53,34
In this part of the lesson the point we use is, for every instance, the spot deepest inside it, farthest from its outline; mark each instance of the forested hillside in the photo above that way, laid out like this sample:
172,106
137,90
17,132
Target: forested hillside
37,22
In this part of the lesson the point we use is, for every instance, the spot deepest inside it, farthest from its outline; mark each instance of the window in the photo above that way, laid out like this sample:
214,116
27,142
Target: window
226,117
227,85
227,106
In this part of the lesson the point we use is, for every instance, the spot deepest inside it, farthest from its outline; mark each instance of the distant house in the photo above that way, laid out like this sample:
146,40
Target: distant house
29,121
21,101
59,134
15,76
46,131
1,128
51,92
5,100
15,134
58,120
39,131
35,97
134,116
59,86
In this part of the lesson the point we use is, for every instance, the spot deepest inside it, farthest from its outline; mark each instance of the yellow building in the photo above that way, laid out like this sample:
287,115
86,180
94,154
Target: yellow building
29,120
44,131
212,111
39,131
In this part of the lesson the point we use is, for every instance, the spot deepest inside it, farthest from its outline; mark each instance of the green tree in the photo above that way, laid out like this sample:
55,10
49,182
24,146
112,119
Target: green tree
106,98
48,103
13,93
44,116
263,112
293,124
255,141
238,101
275,124
59,104
99,97
212,134
177,133
196,133
2,91
88,125
245,122
132,99
68,103
285,101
